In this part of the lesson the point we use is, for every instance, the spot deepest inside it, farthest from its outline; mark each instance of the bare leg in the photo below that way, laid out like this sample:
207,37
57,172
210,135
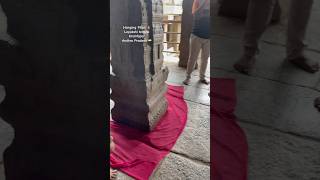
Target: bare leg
195,47
205,53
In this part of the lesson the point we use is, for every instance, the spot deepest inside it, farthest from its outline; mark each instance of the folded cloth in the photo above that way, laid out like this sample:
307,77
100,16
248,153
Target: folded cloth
229,148
138,153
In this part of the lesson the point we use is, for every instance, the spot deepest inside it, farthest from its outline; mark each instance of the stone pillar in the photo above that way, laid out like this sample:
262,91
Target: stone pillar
139,85
186,28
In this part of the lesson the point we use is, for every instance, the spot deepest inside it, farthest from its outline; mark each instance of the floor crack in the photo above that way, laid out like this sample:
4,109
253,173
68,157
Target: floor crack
273,80
310,138
266,42
198,161
197,102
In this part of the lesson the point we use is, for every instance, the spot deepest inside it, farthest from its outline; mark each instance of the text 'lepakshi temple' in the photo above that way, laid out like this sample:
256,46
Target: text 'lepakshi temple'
139,85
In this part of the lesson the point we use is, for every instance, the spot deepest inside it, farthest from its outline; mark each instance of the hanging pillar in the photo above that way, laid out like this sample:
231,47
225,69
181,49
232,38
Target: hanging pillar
138,86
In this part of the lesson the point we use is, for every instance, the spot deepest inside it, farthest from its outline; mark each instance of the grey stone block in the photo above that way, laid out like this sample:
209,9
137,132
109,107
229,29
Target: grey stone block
281,156
176,167
196,133
276,105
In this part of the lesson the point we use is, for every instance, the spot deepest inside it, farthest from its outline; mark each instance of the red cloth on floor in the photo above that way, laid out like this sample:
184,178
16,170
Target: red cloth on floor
138,153
229,148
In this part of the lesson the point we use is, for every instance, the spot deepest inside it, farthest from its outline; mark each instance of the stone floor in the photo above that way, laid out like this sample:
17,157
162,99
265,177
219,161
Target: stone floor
275,103
190,157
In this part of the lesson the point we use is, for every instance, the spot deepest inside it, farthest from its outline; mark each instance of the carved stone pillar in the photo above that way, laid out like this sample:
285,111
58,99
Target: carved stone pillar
139,85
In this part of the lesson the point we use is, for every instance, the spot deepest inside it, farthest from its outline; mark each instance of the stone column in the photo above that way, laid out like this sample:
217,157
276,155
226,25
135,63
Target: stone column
139,85
186,28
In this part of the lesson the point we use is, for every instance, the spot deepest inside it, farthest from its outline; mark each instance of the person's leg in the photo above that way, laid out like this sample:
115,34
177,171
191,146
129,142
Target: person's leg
195,46
299,15
205,53
258,17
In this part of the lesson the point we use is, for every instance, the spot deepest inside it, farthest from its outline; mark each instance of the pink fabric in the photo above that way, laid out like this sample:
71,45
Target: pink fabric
138,153
229,148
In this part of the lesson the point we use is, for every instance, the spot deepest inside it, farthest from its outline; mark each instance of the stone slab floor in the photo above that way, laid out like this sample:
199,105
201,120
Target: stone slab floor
275,103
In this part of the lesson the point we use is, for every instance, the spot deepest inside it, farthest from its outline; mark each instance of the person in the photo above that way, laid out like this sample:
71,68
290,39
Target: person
259,16
199,39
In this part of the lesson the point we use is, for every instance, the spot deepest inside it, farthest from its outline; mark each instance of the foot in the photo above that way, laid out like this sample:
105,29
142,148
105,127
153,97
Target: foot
204,81
305,64
317,103
245,64
186,81
113,174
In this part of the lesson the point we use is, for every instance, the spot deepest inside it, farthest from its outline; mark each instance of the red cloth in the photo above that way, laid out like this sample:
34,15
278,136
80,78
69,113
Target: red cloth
229,148
138,153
